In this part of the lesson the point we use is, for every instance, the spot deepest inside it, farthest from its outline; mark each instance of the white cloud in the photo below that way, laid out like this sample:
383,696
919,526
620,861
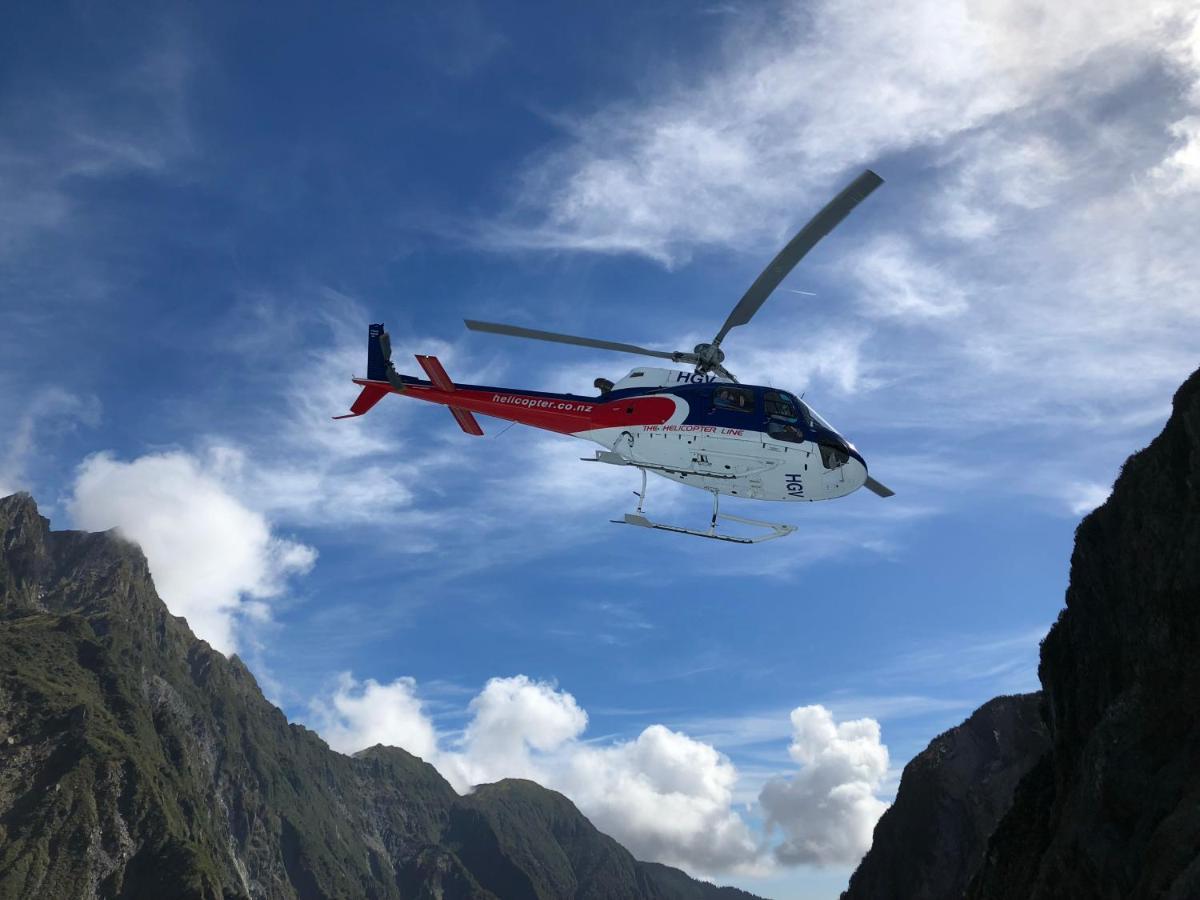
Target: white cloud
664,795
51,412
213,559
827,356
302,466
1180,171
513,721
362,714
827,811
1083,496
894,282
562,484
805,91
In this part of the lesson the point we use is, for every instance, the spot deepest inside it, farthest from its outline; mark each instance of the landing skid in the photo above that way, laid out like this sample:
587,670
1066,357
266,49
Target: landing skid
640,519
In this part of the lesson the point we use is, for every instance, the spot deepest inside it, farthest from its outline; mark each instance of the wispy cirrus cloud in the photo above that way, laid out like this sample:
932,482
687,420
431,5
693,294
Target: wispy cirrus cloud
130,118
51,412
799,93
990,664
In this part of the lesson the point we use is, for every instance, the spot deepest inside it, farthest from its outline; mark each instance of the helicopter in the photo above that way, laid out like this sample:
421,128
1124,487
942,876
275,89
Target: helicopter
701,428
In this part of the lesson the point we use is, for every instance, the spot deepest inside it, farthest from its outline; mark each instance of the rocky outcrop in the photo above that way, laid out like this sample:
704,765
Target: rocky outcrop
1114,809
930,842
135,761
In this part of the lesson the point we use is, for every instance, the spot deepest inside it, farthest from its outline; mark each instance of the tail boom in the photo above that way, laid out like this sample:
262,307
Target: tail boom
560,413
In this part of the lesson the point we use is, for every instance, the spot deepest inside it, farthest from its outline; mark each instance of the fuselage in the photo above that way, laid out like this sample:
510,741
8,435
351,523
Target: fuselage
746,441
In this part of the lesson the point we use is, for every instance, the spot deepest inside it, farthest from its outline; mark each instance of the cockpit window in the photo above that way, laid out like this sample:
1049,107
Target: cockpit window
833,457
783,431
779,406
813,418
736,398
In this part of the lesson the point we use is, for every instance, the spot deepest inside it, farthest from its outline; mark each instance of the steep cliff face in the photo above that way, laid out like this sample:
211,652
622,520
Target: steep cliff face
1108,799
930,842
135,761
1114,810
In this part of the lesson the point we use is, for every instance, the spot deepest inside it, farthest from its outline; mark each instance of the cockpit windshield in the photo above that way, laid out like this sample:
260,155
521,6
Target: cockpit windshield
781,405
814,418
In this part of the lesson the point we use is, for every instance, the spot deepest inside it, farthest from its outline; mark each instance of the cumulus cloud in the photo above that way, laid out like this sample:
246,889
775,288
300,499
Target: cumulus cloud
361,714
665,795
214,560
827,811
513,719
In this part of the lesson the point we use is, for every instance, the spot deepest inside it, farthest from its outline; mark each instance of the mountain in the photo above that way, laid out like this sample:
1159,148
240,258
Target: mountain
135,761
1111,808
931,841
1114,809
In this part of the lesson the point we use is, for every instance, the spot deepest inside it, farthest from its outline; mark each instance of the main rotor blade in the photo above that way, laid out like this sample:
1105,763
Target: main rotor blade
819,226
534,334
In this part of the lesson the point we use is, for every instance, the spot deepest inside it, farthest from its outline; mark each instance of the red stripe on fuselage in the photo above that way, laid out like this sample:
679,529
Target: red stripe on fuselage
634,412
561,414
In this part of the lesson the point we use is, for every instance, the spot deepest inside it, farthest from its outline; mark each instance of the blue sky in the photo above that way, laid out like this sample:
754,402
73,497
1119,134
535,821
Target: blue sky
201,210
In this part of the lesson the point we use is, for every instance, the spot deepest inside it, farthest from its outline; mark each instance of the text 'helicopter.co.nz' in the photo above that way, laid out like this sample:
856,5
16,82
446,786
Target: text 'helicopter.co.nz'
701,428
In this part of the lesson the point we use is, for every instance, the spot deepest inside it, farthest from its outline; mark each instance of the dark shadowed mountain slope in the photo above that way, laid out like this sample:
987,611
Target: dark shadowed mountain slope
1114,809
930,842
135,761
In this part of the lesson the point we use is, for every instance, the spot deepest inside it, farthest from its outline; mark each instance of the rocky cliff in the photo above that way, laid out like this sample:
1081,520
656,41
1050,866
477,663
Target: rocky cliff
135,761
931,841
1114,809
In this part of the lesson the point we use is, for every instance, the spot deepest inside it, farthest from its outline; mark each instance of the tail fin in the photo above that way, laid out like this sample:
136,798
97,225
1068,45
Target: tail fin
367,397
379,352
376,362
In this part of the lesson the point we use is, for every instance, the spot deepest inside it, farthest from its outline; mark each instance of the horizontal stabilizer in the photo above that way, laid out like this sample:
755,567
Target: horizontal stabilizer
437,374
369,396
876,488
440,380
466,421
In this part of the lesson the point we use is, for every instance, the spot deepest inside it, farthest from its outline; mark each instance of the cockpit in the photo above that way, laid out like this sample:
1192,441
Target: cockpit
785,417
789,417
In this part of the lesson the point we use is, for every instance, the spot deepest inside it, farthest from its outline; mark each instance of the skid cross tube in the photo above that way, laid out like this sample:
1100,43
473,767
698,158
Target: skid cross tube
640,519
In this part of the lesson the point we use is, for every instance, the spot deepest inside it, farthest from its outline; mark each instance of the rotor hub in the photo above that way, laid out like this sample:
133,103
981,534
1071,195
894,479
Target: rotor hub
708,356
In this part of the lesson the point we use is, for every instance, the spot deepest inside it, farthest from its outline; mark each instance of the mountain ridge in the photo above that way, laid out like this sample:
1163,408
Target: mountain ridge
138,761
931,841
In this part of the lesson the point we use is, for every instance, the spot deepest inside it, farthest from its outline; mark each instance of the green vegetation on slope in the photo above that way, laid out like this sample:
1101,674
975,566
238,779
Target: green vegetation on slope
138,762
